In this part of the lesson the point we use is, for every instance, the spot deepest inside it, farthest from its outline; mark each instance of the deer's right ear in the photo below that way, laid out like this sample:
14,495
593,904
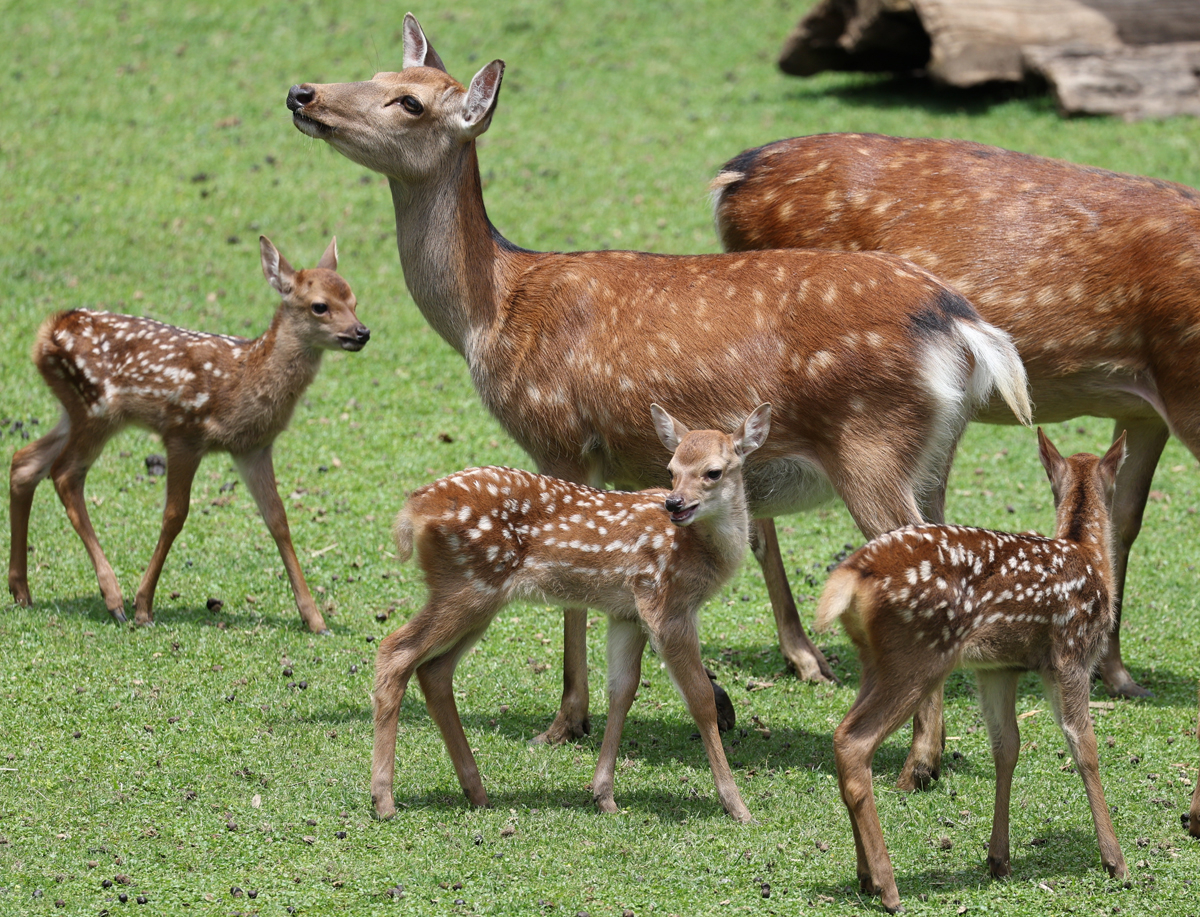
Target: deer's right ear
278,272
1052,461
481,99
670,431
418,52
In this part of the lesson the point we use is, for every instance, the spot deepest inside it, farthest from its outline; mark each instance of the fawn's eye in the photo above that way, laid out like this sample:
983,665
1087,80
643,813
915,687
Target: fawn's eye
713,474
411,104
319,308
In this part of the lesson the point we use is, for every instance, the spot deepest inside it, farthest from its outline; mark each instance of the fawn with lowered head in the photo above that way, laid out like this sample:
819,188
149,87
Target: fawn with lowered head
201,392
920,602
873,366
488,536
1095,275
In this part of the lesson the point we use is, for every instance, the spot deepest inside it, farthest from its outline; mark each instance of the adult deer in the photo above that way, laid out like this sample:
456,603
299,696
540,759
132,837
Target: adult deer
1094,274
487,536
201,392
873,366
920,602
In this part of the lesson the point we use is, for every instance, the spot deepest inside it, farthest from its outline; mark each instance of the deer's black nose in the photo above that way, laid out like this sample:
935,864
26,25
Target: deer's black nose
362,333
673,503
299,96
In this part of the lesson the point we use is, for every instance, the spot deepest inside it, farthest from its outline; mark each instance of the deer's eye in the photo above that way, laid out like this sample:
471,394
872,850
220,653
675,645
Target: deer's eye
713,474
319,308
411,104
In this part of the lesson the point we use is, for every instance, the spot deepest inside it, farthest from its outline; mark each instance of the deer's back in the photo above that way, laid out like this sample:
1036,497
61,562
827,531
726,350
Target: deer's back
983,597
1057,254
587,341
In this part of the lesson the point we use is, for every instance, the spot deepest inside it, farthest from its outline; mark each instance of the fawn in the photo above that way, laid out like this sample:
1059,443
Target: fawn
488,536
920,602
1093,273
200,392
873,366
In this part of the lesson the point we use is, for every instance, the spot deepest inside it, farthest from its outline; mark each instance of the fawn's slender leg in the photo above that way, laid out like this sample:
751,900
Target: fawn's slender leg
799,651
678,645
1144,444
258,471
626,642
437,684
182,461
30,466
997,699
1069,699
1194,811
69,475
571,721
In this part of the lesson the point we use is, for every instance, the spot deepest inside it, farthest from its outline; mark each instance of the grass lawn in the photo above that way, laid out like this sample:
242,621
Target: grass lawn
219,762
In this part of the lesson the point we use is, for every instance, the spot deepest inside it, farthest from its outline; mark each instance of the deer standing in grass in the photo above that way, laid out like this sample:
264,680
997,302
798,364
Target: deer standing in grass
920,602
873,366
1096,275
201,392
488,536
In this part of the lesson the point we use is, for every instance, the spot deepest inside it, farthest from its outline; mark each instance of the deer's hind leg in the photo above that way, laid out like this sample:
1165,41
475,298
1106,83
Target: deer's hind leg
30,466
69,474
997,700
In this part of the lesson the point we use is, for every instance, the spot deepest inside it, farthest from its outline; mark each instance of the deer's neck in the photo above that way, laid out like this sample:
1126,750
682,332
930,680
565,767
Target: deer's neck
456,265
278,367
724,537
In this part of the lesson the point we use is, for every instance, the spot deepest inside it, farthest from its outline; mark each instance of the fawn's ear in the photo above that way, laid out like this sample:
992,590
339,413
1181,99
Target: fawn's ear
1052,461
418,52
329,259
670,431
278,272
1111,463
754,430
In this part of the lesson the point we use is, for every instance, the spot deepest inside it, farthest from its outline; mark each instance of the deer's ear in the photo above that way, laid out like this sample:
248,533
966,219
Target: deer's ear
754,429
481,99
670,431
1052,461
278,272
1111,463
329,259
418,52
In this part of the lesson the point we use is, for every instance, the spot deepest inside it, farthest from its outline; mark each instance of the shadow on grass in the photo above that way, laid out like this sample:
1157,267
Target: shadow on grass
915,91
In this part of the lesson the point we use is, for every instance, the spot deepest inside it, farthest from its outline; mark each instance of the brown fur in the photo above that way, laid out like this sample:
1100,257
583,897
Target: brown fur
200,392
487,536
873,365
920,602
1095,274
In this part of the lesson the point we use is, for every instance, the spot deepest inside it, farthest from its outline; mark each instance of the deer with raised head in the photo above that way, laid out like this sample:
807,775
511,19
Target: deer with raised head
1095,274
920,602
488,536
873,366
200,392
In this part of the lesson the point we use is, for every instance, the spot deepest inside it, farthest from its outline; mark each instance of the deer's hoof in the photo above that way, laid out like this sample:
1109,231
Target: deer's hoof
1000,868
726,715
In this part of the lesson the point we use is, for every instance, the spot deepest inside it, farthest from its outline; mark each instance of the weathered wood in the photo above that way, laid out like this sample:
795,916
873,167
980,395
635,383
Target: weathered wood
1155,81
1151,22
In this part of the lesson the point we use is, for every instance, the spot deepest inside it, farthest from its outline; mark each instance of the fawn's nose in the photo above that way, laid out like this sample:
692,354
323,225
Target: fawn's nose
362,334
673,503
299,96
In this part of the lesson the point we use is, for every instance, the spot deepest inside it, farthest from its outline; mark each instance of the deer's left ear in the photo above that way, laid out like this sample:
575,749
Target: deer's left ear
275,268
754,429
418,52
670,431
329,259
1113,458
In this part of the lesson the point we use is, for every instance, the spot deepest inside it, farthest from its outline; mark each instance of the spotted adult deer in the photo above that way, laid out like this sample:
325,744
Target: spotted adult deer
1095,275
487,536
873,366
920,602
201,392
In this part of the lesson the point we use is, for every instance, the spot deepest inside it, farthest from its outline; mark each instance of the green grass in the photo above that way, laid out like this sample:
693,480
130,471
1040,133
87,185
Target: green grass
144,148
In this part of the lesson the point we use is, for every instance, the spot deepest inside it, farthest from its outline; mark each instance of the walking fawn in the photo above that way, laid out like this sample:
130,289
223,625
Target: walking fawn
1093,273
200,392
873,366
488,536
922,601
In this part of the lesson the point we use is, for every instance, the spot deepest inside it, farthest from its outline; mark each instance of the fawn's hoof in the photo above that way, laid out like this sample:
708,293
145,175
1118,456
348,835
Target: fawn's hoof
726,715
1119,683
20,593
384,809
919,777
562,731
999,867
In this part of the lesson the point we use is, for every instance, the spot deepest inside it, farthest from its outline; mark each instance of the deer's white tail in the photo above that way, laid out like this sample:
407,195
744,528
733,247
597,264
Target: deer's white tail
998,367
404,533
837,597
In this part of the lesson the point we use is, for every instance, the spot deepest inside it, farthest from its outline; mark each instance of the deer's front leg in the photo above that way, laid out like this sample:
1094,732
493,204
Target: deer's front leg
258,471
30,466
1194,811
572,719
799,651
626,642
182,462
